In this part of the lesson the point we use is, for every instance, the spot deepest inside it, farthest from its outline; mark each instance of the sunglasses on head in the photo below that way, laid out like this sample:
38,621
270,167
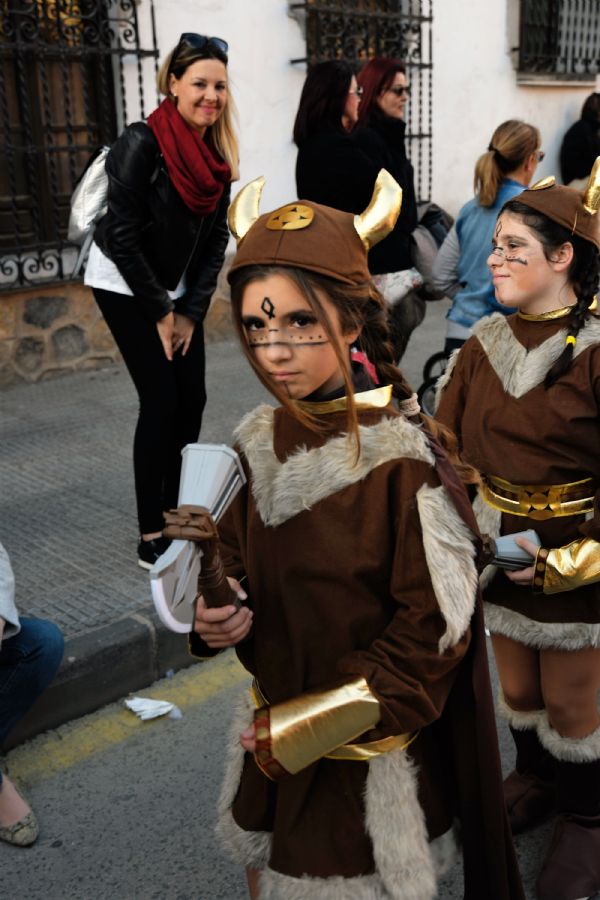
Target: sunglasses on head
199,42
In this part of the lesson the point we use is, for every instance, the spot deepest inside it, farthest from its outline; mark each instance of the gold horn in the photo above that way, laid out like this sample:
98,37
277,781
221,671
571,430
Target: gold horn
380,216
244,210
591,198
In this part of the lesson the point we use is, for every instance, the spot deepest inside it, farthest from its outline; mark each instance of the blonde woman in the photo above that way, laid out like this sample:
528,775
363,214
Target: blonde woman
460,269
155,260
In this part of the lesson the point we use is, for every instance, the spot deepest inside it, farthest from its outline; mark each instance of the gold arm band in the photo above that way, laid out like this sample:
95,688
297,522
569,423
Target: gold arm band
572,566
347,751
539,501
308,727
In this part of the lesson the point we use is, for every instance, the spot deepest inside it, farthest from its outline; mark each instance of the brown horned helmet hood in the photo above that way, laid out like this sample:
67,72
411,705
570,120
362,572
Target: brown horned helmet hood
310,236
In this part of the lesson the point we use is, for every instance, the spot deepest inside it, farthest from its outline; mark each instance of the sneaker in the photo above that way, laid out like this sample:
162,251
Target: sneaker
149,551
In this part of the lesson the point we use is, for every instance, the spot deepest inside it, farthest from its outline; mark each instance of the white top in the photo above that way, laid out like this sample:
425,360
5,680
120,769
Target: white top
101,272
8,610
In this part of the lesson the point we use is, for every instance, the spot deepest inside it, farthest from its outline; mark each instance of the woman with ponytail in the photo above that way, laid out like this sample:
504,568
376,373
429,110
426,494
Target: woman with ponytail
156,257
460,269
369,733
523,396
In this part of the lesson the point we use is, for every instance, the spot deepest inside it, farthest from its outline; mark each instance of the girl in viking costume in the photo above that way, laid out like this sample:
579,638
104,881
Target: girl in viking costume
368,740
523,397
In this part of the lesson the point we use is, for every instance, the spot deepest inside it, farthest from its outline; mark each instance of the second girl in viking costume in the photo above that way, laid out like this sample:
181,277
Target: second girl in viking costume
368,741
523,396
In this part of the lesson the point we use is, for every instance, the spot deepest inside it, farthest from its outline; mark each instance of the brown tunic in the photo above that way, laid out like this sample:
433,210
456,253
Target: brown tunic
340,585
510,426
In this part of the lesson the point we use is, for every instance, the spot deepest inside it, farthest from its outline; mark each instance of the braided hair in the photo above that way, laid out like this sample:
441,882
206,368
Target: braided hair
357,306
583,275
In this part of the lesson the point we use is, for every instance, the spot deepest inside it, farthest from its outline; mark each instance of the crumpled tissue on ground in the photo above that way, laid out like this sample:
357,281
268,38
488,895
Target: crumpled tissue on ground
146,708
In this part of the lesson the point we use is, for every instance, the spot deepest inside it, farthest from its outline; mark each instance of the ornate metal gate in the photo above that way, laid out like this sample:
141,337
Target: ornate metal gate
359,29
73,73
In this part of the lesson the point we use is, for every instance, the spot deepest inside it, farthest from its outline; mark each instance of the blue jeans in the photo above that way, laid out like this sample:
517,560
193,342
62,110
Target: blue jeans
28,663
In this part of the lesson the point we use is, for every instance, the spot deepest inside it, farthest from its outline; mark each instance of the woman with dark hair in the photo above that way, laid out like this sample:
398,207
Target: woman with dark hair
380,135
330,169
523,396
155,260
581,143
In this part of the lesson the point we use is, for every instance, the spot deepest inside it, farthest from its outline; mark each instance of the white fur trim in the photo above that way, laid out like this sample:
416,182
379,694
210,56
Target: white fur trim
519,719
520,370
444,379
282,490
401,849
575,750
450,552
275,886
406,863
489,521
541,635
248,848
445,850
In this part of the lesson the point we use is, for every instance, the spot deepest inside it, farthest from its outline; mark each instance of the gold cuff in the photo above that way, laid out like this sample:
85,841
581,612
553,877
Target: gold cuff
539,570
293,734
572,566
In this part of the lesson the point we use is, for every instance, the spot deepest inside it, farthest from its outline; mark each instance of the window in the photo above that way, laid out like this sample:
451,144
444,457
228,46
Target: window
62,94
559,39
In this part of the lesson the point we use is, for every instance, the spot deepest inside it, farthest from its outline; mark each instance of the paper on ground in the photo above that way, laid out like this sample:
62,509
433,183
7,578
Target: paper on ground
146,708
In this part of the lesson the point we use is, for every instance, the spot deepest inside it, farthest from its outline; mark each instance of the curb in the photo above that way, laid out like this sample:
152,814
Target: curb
102,666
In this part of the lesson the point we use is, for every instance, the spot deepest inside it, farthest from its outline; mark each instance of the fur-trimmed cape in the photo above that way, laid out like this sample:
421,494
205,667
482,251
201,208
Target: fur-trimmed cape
318,591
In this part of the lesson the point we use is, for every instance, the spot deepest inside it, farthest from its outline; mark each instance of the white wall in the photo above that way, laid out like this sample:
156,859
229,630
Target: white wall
475,89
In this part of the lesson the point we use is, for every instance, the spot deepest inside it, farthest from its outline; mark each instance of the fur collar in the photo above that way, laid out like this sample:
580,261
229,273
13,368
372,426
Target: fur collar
282,490
519,370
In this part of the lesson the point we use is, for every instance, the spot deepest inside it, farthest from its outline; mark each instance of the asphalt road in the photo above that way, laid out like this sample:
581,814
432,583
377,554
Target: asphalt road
127,808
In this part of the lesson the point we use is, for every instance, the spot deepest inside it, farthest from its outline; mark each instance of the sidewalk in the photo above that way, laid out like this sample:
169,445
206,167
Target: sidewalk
67,519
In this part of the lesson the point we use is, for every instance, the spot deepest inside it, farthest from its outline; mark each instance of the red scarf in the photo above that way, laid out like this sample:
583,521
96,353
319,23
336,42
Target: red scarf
197,173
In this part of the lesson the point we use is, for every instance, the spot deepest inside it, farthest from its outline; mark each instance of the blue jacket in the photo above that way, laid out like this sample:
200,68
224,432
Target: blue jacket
475,230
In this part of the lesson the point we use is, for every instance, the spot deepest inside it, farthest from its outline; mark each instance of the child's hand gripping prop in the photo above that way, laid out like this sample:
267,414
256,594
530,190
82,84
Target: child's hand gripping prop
195,523
211,476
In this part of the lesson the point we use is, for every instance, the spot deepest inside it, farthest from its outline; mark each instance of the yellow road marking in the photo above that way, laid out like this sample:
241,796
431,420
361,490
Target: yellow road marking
49,754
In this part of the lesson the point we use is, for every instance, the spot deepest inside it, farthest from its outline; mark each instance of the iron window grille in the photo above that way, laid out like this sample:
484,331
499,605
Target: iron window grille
560,39
73,73
357,30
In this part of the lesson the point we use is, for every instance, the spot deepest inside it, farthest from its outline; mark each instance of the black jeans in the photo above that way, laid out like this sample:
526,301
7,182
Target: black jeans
172,398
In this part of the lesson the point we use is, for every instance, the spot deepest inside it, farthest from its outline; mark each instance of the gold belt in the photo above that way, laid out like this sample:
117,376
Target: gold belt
351,751
539,501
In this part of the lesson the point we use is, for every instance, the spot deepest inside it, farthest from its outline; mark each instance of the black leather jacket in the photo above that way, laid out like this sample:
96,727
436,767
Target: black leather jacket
152,236
383,142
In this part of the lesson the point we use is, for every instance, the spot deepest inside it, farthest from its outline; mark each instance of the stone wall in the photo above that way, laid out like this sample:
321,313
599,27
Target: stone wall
48,331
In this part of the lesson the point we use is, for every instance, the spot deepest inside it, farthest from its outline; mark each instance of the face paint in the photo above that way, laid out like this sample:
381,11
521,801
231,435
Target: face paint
268,308
291,345
503,254
522,275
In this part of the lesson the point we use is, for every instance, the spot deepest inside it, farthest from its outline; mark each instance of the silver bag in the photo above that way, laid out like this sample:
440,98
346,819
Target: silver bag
89,199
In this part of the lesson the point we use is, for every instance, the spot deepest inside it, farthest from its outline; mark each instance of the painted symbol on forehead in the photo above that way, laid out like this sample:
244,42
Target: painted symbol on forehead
498,228
268,308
